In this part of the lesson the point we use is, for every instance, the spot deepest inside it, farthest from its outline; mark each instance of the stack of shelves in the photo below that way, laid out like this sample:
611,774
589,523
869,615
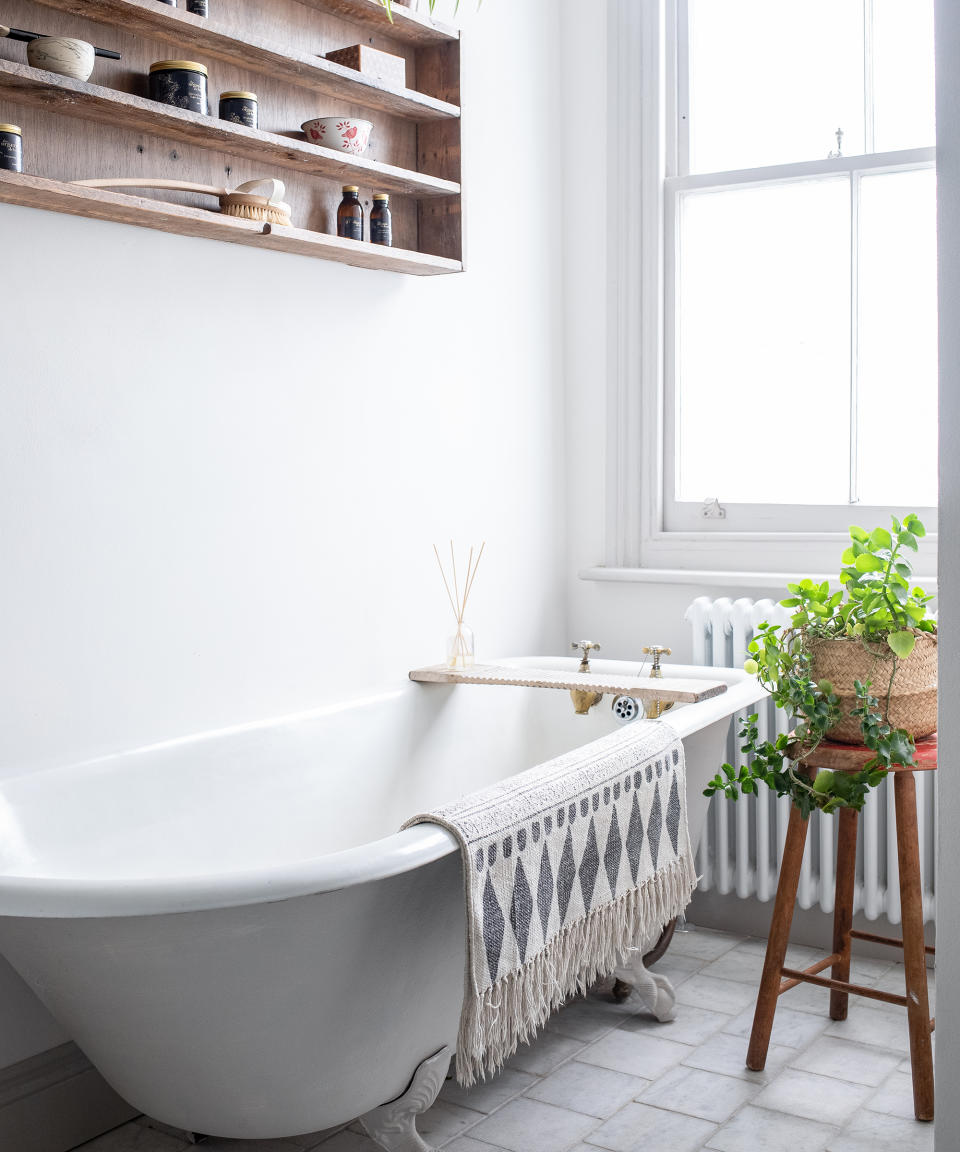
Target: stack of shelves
75,130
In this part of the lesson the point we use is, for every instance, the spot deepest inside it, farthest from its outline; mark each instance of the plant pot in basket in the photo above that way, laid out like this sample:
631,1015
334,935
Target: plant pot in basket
909,684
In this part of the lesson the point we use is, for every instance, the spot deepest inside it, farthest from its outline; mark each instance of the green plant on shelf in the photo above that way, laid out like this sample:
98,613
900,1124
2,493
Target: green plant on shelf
877,608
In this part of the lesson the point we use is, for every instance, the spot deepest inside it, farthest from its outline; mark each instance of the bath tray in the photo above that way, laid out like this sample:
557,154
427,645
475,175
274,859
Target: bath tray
678,691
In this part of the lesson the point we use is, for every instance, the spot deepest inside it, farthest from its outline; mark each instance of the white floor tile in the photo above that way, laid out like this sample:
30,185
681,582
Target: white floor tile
531,1126
868,1026
220,1144
813,1097
756,1129
728,1054
638,1127
466,1144
871,1132
790,1029
846,1061
545,1053
703,943
715,995
589,1019
695,1092
636,1054
443,1121
135,1137
346,1141
588,1088
689,1026
894,1097
489,1095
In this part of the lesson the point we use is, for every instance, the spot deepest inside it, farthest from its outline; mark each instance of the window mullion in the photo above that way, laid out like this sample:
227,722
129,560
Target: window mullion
678,159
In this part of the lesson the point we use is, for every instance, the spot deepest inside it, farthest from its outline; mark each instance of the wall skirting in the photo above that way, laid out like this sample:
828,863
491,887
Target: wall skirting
55,1101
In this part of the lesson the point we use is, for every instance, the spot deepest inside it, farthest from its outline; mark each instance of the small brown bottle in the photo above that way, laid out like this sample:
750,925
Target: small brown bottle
381,226
350,214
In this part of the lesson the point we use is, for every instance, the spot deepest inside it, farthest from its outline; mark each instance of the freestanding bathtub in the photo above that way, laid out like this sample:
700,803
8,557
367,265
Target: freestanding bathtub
232,928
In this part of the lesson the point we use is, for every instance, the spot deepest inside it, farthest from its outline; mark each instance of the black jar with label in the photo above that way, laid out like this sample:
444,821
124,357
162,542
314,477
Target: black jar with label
197,7
239,108
181,83
350,214
11,148
381,225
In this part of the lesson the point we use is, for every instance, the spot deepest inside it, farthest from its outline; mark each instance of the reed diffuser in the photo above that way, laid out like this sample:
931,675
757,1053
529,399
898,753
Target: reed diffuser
460,646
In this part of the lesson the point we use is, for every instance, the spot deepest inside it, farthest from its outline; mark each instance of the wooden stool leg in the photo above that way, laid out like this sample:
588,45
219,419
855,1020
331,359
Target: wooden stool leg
914,960
843,907
777,941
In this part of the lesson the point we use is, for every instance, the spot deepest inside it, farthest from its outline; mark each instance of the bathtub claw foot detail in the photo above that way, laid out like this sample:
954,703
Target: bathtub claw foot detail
393,1126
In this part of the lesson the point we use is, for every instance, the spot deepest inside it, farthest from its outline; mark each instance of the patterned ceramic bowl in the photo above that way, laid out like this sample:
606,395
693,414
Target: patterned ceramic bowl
340,133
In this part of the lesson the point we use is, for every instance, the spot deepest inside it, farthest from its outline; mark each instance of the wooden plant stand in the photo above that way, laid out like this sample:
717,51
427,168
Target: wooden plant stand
776,979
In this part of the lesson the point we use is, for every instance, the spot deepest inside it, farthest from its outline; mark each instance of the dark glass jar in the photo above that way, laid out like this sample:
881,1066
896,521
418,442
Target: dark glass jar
11,148
381,225
239,108
171,3
350,214
182,83
197,7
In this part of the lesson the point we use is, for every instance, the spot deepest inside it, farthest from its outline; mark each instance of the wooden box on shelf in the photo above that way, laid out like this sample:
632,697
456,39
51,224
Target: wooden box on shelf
372,62
108,128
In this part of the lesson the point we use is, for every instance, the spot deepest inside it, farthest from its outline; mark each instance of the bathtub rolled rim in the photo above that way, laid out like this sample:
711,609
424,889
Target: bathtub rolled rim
43,897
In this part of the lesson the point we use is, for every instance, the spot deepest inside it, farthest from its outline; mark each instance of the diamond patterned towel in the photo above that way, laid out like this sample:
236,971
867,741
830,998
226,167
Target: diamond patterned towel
566,867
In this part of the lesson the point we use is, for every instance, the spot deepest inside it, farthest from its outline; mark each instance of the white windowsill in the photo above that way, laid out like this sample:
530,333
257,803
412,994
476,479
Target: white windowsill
713,578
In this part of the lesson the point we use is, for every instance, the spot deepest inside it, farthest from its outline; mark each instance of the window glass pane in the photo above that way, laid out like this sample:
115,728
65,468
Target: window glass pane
897,356
771,82
764,344
903,74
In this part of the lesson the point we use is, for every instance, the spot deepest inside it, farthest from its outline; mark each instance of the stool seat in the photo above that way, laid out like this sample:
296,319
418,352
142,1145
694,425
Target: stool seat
852,757
777,979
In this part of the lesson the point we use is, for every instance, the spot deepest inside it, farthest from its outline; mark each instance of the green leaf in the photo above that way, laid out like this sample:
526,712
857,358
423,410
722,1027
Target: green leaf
908,540
902,643
848,556
880,538
868,563
859,534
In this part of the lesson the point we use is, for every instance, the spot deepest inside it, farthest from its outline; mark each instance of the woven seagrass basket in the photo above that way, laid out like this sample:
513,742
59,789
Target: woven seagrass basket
913,697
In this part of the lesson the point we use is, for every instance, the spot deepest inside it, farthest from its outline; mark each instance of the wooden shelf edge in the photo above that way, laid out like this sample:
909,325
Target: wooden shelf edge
24,84
57,196
407,25
681,691
205,37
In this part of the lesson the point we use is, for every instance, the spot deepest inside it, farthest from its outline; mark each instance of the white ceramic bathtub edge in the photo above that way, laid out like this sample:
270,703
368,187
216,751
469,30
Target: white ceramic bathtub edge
402,851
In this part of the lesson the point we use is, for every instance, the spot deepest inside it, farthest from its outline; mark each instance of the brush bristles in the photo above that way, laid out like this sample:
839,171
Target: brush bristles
265,213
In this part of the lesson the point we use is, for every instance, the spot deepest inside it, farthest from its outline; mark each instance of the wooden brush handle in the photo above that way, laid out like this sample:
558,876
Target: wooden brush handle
146,182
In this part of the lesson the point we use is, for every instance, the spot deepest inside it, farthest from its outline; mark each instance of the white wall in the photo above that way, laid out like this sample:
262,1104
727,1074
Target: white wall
221,471
948,894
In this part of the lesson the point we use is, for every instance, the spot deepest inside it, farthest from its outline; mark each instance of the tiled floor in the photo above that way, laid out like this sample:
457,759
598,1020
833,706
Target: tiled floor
609,1077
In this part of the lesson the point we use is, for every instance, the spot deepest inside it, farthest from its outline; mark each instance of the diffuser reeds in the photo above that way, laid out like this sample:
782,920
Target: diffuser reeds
460,644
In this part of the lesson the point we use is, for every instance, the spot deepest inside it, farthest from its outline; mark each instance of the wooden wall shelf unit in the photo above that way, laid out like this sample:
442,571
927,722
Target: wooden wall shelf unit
109,128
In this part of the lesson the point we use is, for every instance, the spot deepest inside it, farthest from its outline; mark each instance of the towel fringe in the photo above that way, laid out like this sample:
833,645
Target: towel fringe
494,1023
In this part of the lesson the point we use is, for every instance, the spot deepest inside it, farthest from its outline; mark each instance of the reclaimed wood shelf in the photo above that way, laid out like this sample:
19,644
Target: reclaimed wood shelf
206,38
86,101
99,204
408,26
669,690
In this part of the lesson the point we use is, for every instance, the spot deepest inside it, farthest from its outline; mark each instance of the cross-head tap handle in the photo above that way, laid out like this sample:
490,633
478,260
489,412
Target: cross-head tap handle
585,646
656,651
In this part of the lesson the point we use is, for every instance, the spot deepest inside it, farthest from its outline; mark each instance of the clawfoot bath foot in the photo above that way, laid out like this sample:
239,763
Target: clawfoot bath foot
393,1126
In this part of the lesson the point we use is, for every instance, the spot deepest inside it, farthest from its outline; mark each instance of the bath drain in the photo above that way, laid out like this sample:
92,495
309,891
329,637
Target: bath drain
625,708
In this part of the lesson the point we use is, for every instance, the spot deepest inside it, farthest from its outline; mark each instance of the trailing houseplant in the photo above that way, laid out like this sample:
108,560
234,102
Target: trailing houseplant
876,619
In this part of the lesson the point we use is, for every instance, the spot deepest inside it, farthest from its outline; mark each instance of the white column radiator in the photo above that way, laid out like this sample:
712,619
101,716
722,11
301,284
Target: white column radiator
743,842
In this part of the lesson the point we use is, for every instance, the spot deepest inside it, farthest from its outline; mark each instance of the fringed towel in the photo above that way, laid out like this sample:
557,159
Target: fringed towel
566,867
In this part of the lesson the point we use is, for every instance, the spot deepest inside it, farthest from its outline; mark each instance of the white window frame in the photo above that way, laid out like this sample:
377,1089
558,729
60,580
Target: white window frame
643,529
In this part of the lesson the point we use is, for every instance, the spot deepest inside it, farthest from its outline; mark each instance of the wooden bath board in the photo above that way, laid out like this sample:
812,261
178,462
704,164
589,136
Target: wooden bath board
669,690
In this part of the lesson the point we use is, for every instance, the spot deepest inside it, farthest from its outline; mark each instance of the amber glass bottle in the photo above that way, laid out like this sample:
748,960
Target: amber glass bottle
350,214
381,227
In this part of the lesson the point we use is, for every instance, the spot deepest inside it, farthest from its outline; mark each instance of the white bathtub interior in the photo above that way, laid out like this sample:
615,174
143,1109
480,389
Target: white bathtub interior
304,787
